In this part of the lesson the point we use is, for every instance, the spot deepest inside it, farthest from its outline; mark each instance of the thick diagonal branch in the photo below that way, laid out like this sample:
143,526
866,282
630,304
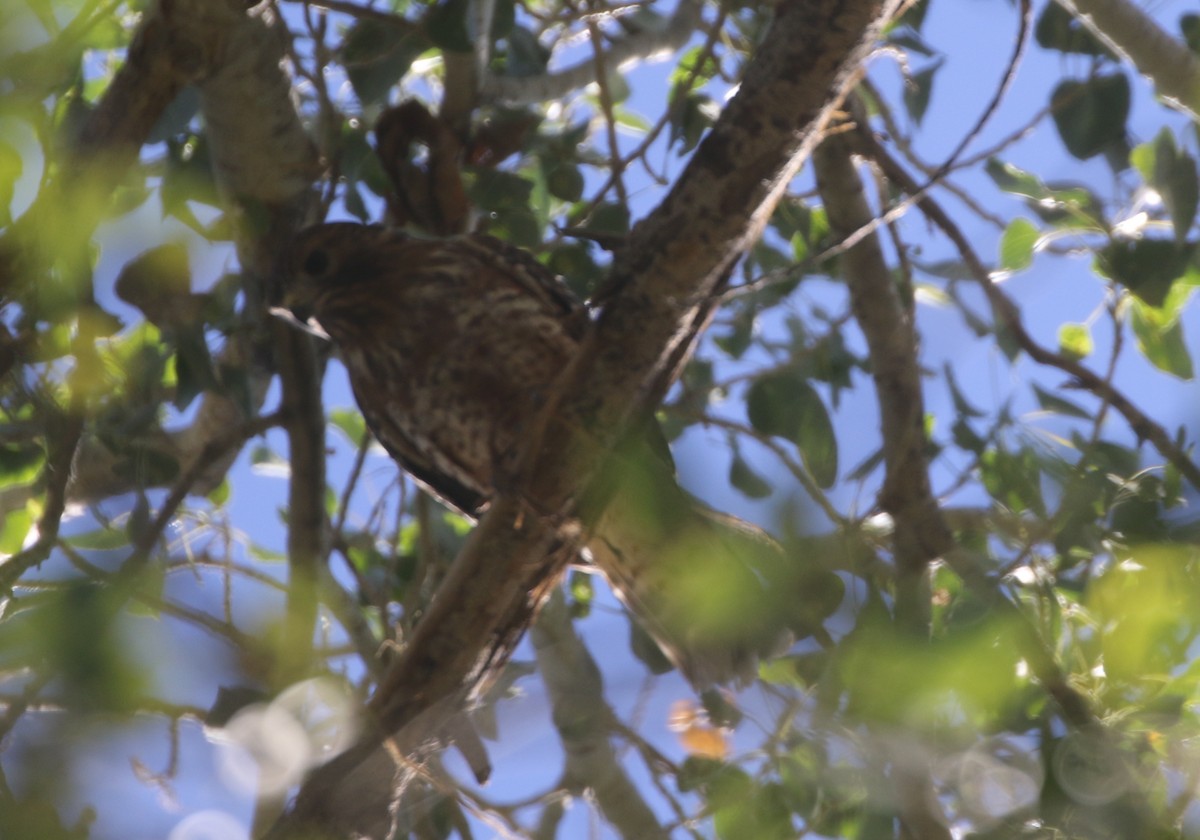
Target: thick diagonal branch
661,290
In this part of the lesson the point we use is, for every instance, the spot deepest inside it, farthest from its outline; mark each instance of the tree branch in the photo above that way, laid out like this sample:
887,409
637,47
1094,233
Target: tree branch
632,48
661,285
584,723
1129,31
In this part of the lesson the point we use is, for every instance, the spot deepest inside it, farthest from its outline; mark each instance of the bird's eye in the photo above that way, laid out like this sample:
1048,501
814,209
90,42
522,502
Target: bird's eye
316,263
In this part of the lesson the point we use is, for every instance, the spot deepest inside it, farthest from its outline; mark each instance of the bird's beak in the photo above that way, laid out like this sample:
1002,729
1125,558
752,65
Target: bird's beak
297,308
294,317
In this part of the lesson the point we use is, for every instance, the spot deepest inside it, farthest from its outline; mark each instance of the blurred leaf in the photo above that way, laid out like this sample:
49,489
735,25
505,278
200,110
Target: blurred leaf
697,64
1075,340
1189,27
647,650
917,90
693,116
747,480
1015,180
1017,244
633,122
1062,204
609,217
738,339
1090,116
525,55
188,177
962,405
1147,605
518,226
565,182
175,118
1013,479
1176,179
573,261
1148,267
447,25
219,495
377,55
11,168
1052,402
76,634
782,403
497,190
1160,339
350,422
1058,29
14,528
743,808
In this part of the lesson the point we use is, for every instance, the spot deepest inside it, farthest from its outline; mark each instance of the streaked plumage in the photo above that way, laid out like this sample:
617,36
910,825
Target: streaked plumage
452,346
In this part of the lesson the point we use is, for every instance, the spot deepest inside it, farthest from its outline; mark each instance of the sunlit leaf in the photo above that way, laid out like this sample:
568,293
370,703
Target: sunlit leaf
1075,340
1160,340
14,528
349,422
1017,244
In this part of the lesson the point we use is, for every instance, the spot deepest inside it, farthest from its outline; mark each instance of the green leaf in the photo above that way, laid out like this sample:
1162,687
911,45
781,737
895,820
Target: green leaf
1058,29
1052,402
1013,179
266,555
1075,340
1017,244
917,90
1148,267
691,118
783,404
350,422
962,406
1175,179
376,56
1013,479
497,190
447,26
525,55
1160,339
14,529
698,64
747,480
633,122
103,539
10,170
1189,27
220,494
609,217
762,814
565,182
574,262
1090,115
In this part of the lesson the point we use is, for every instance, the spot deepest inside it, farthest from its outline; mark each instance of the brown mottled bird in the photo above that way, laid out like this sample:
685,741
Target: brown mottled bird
452,346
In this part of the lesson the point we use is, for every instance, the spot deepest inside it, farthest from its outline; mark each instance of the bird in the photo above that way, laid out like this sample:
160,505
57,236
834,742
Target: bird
452,346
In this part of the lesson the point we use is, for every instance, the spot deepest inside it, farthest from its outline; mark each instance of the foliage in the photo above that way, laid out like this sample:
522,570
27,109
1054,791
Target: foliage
157,516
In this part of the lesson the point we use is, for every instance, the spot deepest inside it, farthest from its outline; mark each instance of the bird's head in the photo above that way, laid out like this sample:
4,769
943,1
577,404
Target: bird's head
323,262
